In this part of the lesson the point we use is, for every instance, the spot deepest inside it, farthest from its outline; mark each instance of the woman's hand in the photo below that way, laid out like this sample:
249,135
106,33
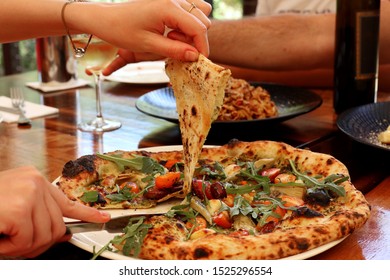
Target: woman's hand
153,29
31,213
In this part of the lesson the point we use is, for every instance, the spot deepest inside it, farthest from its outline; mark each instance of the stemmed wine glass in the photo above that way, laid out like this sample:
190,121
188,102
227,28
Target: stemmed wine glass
95,55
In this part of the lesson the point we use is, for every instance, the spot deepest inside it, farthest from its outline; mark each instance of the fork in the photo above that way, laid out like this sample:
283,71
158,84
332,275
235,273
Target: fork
17,99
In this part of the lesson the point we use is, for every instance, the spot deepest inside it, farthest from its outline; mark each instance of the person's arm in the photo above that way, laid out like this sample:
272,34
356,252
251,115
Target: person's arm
290,49
138,26
26,19
285,42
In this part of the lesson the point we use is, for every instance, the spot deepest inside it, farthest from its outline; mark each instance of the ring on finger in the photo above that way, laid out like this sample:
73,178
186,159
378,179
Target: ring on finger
193,6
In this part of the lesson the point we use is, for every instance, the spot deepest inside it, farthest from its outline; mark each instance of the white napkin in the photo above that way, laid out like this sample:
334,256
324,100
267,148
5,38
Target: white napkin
32,110
56,86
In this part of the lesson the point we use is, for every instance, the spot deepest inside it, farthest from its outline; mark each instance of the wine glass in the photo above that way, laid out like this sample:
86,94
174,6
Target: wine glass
95,54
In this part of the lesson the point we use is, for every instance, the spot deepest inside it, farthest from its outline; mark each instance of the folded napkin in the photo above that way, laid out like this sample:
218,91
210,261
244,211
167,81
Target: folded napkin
32,110
56,86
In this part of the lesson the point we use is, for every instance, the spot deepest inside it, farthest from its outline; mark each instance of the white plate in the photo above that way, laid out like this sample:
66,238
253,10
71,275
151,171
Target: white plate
93,241
148,72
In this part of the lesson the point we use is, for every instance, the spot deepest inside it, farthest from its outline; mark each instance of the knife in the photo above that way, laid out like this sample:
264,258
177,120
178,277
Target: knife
115,225
119,219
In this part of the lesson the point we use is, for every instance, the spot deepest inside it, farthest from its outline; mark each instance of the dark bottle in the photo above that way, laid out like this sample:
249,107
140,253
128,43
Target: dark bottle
356,53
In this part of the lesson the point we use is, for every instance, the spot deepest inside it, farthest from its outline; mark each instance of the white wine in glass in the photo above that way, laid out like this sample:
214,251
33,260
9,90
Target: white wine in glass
97,56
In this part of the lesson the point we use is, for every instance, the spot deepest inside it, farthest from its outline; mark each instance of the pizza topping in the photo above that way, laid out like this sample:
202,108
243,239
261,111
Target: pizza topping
330,183
306,212
93,197
143,164
222,220
202,189
166,181
130,242
197,205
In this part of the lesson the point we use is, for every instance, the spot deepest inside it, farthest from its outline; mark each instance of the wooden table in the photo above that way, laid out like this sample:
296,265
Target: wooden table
52,141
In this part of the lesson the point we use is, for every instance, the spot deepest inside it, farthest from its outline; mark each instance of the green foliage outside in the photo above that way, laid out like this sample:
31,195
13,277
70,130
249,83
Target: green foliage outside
227,9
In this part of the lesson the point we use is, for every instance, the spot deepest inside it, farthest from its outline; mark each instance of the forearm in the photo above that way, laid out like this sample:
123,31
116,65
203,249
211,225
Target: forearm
274,43
23,19
26,19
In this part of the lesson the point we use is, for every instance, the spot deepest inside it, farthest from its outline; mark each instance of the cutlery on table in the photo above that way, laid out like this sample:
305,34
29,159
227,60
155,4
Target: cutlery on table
17,99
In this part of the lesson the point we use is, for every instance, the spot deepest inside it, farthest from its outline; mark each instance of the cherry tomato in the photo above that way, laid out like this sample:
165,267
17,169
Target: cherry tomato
133,187
223,220
271,173
201,188
167,180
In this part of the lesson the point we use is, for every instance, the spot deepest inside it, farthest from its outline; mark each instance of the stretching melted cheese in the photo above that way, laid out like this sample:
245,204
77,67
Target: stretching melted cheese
199,88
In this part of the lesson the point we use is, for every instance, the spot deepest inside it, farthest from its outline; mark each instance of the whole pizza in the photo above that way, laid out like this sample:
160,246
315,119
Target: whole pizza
247,200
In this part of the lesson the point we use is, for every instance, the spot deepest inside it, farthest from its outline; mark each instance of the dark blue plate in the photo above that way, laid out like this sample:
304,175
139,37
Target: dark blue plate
364,123
290,101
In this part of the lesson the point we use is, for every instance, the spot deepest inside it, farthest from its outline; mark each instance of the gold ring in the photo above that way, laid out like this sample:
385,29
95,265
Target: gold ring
193,6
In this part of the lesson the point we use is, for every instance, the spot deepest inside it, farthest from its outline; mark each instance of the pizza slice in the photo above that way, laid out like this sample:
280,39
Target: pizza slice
199,88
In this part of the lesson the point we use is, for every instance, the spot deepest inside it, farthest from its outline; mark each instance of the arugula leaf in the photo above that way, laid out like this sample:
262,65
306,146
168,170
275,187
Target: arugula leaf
329,183
123,195
182,210
263,181
216,171
132,238
143,164
90,196
234,189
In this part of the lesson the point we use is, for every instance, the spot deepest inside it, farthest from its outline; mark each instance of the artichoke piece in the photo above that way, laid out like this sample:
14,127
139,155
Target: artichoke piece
198,206
295,191
243,222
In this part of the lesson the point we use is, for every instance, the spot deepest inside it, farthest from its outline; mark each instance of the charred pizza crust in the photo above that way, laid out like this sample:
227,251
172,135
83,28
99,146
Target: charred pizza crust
294,235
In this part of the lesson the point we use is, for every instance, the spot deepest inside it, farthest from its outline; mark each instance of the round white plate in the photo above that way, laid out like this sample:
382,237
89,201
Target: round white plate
148,72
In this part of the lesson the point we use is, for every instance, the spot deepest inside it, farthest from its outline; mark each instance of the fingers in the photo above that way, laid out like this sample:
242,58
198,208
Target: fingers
199,9
117,63
124,57
198,34
75,210
31,213
201,5
191,20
